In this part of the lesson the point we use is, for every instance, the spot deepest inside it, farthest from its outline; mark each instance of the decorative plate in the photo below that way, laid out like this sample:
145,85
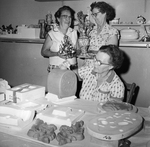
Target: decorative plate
114,125
110,106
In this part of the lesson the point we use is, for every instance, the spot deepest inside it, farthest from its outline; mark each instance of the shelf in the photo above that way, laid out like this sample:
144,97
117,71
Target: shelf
134,44
54,0
130,24
22,40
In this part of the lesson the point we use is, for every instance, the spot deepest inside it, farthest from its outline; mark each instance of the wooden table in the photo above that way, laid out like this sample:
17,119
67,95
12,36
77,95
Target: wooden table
10,138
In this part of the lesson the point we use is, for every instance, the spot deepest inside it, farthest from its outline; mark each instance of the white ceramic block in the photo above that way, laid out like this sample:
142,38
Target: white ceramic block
2,97
26,32
25,92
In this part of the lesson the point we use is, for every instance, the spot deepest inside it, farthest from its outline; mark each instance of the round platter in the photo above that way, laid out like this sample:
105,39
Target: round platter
115,106
114,125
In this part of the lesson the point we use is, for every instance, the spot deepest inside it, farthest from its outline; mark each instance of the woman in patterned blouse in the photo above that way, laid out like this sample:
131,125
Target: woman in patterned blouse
100,82
103,33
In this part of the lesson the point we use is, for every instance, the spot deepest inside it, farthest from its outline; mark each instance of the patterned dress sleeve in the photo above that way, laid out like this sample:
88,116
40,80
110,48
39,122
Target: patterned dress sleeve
84,70
117,89
113,32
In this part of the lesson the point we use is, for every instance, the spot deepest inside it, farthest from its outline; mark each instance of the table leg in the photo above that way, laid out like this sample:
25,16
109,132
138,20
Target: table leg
124,143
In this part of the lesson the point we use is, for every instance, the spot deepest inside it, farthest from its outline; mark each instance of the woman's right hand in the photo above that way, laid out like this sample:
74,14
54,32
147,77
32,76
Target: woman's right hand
92,53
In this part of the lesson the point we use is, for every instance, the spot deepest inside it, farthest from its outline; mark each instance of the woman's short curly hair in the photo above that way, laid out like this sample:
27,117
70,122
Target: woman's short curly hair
105,8
64,8
116,55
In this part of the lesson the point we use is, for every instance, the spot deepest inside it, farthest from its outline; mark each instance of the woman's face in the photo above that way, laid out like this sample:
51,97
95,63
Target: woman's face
98,16
101,63
65,18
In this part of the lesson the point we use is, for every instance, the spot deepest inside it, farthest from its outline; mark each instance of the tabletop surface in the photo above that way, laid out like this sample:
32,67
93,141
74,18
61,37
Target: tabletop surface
11,138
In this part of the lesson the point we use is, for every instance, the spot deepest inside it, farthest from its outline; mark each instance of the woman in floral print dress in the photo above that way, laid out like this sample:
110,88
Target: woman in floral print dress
102,33
100,82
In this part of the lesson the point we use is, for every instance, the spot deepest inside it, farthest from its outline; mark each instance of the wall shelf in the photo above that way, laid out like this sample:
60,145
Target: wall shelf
119,25
140,27
134,44
54,0
21,40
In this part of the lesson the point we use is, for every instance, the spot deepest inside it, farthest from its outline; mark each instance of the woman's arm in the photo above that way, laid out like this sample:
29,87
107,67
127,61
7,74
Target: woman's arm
45,51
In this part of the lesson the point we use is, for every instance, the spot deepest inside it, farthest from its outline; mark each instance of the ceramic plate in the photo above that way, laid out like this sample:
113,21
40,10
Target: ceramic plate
110,106
114,125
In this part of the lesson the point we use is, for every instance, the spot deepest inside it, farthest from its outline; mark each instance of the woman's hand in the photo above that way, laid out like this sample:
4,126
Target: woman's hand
92,53
61,55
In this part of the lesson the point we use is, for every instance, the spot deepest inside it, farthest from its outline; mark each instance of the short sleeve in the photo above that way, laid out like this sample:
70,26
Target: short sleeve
84,70
114,31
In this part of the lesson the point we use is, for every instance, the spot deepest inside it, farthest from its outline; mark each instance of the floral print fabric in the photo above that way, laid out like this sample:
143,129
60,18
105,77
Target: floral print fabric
111,88
57,38
97,40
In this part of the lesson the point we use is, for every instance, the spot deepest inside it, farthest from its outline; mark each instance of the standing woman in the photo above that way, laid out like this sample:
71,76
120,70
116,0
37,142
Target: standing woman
103,33
61,37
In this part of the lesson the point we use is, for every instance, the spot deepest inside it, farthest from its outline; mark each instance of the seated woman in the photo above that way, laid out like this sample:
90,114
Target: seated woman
100,82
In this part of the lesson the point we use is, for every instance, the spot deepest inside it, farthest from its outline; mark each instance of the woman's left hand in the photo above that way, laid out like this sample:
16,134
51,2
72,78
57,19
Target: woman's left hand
61,55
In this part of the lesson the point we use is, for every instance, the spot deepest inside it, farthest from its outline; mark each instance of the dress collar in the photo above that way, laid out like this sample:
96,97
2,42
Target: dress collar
110,78
68,31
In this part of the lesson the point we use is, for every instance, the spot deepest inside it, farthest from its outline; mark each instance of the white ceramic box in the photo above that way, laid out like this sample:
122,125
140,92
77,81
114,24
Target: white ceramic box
26,32
25,92
2,97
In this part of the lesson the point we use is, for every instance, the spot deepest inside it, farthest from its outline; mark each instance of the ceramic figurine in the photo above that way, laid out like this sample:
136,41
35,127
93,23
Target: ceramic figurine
141,20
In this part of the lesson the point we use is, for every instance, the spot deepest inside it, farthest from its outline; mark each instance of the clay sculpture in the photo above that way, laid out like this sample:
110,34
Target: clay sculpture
68,134
42,131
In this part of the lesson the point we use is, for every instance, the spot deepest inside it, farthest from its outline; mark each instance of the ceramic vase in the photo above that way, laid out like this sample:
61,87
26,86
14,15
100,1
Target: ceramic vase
84,44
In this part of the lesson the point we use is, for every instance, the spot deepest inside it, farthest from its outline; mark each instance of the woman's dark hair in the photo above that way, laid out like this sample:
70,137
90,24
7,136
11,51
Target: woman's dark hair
116,55
59,11
105,8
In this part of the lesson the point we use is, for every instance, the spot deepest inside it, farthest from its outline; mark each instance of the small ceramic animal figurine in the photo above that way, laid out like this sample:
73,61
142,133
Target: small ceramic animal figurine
141,20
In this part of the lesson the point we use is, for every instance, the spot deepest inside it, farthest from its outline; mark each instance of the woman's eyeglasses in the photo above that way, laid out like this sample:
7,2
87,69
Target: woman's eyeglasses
100,62
95,14
66,16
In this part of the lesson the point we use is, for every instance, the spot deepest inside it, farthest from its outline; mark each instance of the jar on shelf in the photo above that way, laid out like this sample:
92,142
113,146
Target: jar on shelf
42,28
48,23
